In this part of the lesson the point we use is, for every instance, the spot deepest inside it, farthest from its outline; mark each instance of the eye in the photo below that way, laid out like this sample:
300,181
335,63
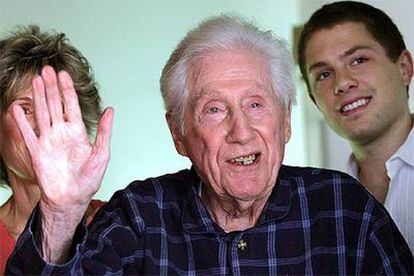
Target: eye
27,110
255,105
359,60
323,75
212,110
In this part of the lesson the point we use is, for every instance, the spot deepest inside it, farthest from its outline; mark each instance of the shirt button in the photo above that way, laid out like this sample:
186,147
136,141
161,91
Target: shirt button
242,244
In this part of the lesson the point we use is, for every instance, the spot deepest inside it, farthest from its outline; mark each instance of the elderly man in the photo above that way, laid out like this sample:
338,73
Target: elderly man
357,69
228,91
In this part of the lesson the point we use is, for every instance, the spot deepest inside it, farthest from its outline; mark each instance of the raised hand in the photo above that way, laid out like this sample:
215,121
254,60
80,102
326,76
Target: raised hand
69,169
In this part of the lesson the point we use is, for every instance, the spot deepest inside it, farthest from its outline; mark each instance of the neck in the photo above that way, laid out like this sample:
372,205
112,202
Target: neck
232,214
371,157
16,211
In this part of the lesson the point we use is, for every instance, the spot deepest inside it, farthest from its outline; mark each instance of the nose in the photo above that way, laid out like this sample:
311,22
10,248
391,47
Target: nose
240,129
345,81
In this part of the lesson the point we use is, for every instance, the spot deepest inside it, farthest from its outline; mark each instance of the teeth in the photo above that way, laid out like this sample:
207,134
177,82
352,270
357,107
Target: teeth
244,160
354,105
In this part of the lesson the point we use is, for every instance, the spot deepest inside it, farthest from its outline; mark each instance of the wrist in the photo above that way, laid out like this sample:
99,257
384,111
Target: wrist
58,226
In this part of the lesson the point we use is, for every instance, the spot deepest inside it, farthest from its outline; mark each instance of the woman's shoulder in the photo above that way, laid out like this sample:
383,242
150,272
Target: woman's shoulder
7,244
93,208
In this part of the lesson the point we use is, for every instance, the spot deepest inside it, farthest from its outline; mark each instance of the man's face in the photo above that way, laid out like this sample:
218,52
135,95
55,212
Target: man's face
359,90
236,129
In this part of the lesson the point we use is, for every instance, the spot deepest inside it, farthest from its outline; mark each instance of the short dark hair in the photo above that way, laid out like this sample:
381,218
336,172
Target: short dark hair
378,24
23,55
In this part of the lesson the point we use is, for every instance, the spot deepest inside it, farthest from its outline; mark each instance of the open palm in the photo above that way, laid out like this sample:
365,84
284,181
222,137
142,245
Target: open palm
68,168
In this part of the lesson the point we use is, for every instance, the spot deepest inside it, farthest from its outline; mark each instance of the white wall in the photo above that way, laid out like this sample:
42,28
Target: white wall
127,43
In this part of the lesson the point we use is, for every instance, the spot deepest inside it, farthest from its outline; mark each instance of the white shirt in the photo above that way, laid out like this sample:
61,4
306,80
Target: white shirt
400,197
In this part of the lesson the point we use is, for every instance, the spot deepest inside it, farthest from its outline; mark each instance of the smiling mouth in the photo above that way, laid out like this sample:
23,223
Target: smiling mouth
245,160
355,104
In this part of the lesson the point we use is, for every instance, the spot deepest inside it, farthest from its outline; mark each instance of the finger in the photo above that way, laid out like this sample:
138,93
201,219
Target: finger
70,98
25,128
101,147
40,105
54,101
104,130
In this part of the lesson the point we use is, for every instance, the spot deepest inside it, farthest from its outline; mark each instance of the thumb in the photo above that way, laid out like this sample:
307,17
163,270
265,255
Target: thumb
104,130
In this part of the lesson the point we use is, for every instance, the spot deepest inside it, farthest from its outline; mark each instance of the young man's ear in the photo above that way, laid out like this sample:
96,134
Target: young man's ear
176,134
405,63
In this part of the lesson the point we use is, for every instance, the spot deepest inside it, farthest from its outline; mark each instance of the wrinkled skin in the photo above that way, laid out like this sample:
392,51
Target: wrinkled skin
69,169
233,113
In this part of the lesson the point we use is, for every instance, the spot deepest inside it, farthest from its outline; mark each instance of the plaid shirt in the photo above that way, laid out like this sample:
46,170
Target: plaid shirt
315,222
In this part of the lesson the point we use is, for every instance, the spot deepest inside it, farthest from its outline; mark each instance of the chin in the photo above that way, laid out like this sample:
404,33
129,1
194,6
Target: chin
360,136
249,193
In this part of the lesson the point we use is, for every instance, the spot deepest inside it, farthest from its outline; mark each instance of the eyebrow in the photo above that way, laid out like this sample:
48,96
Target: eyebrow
354,49
345,54
205,94
28,99
21,100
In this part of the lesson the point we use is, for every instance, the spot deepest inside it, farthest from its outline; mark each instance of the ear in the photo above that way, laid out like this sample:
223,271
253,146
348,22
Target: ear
176,135
405,64
288,128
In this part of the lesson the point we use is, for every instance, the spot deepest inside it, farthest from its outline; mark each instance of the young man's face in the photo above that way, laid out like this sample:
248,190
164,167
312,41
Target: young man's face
359,90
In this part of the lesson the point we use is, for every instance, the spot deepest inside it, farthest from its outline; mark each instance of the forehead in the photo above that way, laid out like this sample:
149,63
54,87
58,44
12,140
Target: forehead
224,66
330,42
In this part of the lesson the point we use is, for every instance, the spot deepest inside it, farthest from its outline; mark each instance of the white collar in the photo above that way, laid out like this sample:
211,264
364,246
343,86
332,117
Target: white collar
351,166
406,151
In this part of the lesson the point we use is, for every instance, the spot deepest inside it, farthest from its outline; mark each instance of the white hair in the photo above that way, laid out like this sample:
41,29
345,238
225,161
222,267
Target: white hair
224,32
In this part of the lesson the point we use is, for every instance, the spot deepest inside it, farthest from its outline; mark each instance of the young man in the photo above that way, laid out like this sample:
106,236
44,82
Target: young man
357,70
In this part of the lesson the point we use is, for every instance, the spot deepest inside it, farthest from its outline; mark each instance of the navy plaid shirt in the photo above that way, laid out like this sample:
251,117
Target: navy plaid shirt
315,222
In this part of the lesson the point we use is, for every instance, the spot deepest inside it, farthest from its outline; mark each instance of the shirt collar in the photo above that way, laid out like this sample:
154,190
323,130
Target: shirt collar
406,151
351,166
